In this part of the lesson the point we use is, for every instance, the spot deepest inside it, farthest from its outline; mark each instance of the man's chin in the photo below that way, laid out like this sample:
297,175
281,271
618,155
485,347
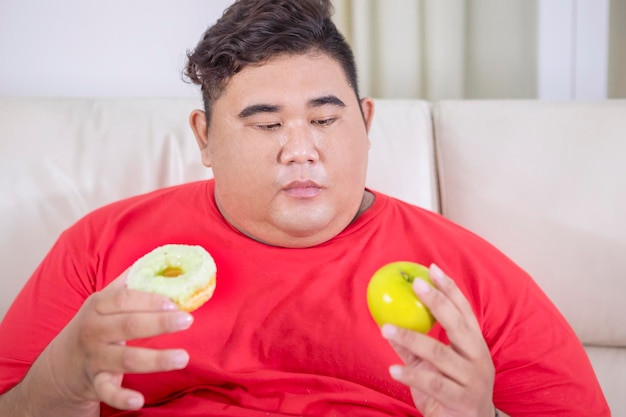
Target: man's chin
304,231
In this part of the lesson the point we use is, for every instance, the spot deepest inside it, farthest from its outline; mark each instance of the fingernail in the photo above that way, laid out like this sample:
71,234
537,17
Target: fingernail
169,305
180,359
183,320
436,274
395,371
135,402
421,286
388,330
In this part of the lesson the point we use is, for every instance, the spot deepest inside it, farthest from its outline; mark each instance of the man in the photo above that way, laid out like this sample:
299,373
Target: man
295,236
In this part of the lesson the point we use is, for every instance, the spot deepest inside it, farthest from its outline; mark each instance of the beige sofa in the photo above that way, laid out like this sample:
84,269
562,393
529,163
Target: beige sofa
545,182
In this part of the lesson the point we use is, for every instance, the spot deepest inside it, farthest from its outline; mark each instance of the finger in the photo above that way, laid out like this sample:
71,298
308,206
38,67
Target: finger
459,322
113,328
136,360
416,346
428,382
121,299
447,286
108,390
407,357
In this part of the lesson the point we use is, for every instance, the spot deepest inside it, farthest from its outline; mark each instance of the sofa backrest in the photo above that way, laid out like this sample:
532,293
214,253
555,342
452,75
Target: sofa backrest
62,158
546,183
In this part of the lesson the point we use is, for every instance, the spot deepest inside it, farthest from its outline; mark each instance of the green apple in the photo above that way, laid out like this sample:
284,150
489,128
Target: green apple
391,299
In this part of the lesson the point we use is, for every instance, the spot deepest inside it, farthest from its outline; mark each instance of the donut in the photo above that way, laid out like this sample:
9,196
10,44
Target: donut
186,274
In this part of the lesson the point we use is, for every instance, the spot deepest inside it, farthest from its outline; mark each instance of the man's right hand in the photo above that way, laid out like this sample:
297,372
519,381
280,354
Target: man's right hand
84,365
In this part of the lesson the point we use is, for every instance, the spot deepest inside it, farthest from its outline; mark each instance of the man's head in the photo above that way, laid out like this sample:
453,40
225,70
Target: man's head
251,32
287,135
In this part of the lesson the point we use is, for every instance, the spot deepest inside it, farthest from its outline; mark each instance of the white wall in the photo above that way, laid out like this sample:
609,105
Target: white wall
136,48
100,48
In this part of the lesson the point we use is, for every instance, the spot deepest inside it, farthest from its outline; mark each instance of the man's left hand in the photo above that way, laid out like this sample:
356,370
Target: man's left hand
445,380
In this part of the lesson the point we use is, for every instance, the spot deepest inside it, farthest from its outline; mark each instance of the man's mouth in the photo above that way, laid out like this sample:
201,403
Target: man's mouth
302,189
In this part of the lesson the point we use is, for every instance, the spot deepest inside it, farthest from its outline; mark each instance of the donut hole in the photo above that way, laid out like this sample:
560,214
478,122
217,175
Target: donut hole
171,271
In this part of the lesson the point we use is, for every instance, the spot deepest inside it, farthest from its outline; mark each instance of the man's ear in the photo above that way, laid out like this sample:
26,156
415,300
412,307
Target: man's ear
197,121
367,107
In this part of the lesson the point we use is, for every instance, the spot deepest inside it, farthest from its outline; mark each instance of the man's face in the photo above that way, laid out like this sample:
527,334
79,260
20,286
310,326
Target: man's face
288,146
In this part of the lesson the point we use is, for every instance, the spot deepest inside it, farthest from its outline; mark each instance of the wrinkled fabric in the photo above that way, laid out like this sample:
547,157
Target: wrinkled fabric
288,331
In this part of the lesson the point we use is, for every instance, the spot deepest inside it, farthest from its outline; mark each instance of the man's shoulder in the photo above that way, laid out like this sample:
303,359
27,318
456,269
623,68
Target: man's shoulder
167,199
391,205
425,221
189,190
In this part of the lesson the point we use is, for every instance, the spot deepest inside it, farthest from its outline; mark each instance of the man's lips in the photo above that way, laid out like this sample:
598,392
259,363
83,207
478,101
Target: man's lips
302,189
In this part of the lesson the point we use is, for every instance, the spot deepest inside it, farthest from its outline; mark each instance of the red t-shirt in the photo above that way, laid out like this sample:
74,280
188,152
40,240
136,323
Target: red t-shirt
288,331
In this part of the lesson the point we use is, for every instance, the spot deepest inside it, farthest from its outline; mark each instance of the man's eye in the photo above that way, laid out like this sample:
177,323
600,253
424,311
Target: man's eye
324,122
270,126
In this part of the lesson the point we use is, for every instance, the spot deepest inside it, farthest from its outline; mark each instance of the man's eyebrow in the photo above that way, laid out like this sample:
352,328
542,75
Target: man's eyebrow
324,100
258,108
271,108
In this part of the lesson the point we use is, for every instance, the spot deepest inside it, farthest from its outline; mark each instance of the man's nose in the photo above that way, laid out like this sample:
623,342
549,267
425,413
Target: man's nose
299,147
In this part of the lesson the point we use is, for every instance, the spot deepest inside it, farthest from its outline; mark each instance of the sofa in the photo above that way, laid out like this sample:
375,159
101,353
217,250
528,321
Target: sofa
543,181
